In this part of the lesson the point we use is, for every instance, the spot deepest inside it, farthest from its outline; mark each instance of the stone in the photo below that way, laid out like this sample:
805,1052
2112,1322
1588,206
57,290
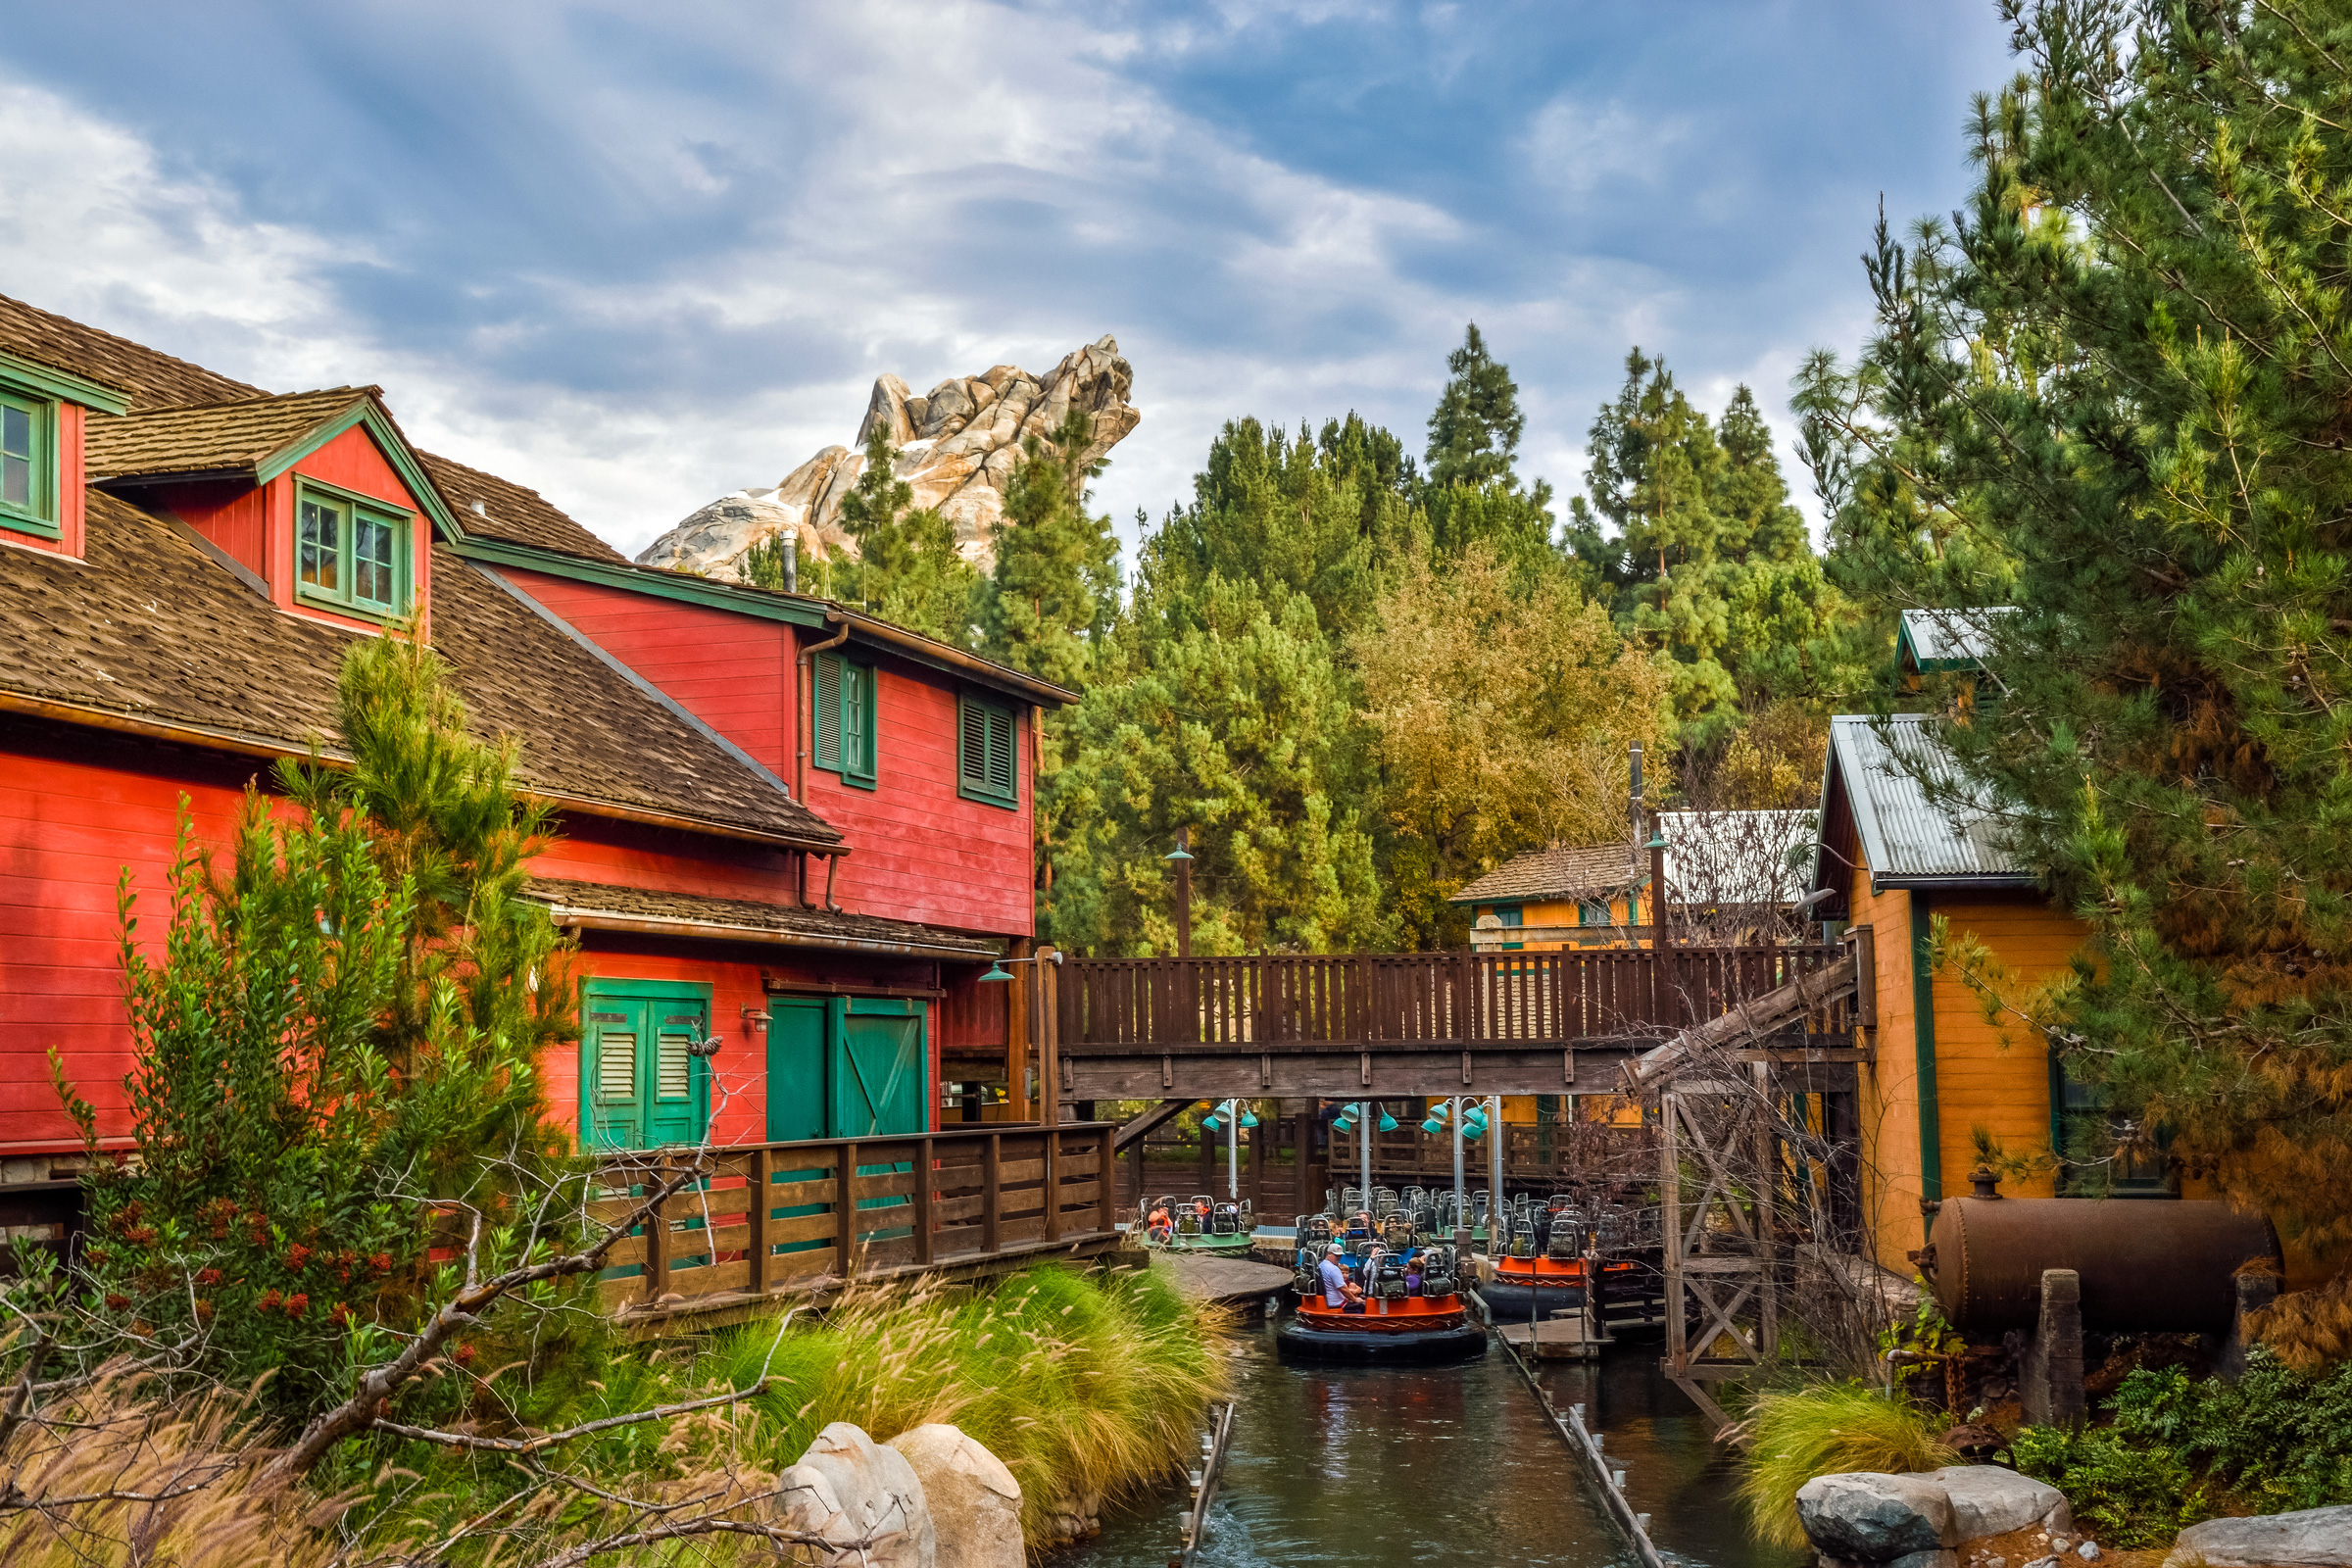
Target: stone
2313,1538
1876,1517
975,1502
2053,1362
1989,1500
1940,1558
2088,1551
860,1497
2043,1562
958,447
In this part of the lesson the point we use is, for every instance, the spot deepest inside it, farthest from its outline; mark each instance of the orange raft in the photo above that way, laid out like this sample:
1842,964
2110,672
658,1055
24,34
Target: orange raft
1538,1287
1411,1328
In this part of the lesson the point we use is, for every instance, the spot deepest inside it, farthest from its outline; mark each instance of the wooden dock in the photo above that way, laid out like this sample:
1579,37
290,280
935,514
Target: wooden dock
1220,1279
1553,1338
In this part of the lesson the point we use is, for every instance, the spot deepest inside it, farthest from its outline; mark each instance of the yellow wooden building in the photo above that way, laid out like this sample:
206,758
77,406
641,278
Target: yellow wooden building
1558,897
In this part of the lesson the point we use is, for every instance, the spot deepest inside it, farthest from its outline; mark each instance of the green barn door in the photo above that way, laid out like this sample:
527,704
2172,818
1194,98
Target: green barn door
796,1068
641,1085
879,1077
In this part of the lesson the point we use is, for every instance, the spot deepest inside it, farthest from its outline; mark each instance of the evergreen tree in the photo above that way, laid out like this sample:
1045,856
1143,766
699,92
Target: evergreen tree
1704,558
1056,589
2110,393
1473,493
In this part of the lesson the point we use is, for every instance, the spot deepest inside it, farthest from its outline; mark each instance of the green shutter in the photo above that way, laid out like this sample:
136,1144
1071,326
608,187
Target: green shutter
640,1085
826,706
987,767
858,725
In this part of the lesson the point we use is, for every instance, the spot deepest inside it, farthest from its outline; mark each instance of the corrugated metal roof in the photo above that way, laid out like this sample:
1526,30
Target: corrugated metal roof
1949,639
1887,769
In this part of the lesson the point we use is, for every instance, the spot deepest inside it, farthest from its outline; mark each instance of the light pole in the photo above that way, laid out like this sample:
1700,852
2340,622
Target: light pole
1350,1114
1495,1182
1235,1115
1469,1120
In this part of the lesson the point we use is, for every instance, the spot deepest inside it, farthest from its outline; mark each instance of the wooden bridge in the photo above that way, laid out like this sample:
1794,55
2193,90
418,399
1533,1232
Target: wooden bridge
1344,1026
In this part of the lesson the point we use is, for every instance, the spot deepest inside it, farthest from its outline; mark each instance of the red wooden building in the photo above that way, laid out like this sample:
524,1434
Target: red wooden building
787,826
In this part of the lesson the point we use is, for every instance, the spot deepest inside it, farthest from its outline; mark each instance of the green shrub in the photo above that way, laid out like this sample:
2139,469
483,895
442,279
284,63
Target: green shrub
1823,1431
2127,1493
2279,1440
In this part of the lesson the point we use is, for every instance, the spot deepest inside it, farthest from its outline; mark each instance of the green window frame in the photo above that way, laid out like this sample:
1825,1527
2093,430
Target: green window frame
842,717
2079,1116
988,765
351,553
28,479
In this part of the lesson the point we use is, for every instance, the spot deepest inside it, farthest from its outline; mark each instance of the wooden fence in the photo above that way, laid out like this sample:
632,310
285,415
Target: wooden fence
1365,1001
773,1218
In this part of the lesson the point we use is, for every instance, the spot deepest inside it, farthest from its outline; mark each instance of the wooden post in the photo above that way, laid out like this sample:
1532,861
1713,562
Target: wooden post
1670,1215
1052,1182
1107,1216
845,1188
1184,899
1258,1161
1049,1026
991,1240
656,1243
1768,1177
763,1175
1016,1030
923,1205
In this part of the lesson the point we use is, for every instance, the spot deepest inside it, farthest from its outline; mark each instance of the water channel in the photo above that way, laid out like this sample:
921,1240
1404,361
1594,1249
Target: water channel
1455,1464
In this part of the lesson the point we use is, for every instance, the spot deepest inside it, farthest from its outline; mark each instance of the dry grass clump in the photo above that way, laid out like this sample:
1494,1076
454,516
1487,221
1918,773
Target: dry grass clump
1825,1430
2309,1331
118,1474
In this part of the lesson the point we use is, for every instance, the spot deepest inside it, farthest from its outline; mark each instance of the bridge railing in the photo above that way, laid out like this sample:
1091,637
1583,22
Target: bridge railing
770,1218
1367,1000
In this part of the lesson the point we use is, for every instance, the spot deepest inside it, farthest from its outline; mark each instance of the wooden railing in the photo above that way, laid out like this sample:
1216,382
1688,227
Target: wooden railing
1564,1151
773,1218
1367,1000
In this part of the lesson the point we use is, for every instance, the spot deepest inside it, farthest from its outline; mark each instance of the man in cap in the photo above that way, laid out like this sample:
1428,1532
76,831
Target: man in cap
1339,1292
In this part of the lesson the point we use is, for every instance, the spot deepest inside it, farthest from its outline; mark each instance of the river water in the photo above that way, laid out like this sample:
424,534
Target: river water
1450,1464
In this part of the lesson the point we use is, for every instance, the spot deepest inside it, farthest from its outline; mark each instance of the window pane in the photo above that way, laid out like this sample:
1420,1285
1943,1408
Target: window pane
372,578
16,456
16,431
319,544
855,694
15,481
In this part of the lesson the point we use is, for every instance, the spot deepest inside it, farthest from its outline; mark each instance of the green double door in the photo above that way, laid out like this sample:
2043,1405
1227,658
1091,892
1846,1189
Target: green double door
846,1067
641,1084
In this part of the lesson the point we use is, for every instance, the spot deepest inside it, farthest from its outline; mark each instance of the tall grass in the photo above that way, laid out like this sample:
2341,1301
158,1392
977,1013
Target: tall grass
1083,1387
1822,1431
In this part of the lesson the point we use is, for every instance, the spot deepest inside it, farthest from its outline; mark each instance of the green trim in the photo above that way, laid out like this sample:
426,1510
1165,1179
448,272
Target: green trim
593,986
41,515
649,988
969,711
51,383
403,524
1923,1039
367,415
637,579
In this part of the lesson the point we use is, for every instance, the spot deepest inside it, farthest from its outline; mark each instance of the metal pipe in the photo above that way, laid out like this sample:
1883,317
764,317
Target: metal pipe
1364,1130
1495,1190
1461,1196
1233,1151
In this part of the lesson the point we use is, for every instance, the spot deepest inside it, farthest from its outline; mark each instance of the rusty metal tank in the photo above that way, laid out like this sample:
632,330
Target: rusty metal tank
2147,1266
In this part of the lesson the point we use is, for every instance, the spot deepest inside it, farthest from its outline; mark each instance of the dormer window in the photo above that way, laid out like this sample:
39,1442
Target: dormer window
350,554
27,463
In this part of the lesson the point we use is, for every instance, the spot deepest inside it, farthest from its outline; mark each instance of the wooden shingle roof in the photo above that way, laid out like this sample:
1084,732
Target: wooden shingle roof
491,508
600,905
210,437
1556,871
147,377
152,628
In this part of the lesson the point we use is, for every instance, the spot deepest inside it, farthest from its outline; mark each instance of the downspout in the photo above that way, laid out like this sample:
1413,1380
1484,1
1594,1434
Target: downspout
804,703
1923,1038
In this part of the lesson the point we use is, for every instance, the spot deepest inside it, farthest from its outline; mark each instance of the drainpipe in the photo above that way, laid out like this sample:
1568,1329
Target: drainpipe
1923,1038
804,704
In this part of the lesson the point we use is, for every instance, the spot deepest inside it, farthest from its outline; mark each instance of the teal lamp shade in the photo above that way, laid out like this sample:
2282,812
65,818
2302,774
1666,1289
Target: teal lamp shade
1343,1122
1248,1120
1470,1133
1210,1123
996,972
1433,1126
1388,1123
1179,852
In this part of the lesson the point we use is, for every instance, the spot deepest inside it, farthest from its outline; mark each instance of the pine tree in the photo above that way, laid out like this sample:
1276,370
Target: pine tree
907,570
1055,589
1473,492
2111,393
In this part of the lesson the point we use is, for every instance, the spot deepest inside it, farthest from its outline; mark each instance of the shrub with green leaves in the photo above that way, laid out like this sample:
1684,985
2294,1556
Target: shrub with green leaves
2126,1493
2277,1439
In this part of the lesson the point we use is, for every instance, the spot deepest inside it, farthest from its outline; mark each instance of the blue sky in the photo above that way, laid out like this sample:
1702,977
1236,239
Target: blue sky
640,255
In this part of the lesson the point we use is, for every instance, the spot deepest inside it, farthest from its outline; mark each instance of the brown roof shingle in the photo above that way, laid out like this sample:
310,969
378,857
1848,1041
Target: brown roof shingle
1554,871
148,379
511,512
154,628
775,923
210,437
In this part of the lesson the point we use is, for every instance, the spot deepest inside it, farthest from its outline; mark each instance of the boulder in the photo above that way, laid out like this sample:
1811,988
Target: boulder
860,1497
1988,1500
975,1502
958,447
1867,1516
2313,1538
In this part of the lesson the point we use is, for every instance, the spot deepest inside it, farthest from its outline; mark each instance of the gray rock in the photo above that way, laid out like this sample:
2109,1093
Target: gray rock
2088,1551
2043,1562
1989,1500
2315,1537
958,447
1940,1558
975,1502
862,1499
1876,1517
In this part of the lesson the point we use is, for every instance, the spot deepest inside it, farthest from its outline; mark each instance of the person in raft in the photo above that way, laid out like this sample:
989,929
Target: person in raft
1161,1225
1339,1291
